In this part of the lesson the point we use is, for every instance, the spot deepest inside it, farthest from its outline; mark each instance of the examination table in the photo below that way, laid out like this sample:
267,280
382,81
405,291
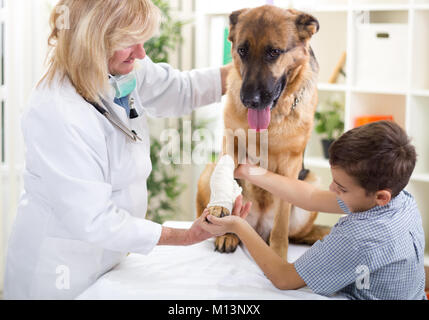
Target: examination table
194,272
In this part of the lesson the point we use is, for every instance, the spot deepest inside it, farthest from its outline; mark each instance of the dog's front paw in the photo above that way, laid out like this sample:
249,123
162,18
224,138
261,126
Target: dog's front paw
227,243
219,211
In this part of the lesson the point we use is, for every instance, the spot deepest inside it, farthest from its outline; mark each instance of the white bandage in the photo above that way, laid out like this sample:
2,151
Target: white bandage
224,189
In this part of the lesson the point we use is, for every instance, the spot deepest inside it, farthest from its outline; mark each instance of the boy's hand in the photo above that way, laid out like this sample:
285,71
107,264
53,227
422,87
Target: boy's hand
240,210
244,170
220,226
241,171
198,232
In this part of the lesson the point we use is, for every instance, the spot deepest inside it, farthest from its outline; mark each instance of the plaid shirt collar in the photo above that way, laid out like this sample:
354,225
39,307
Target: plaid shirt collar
376,211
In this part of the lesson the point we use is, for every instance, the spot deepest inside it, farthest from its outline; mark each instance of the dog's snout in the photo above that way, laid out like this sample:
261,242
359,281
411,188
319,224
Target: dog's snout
253,101
258,94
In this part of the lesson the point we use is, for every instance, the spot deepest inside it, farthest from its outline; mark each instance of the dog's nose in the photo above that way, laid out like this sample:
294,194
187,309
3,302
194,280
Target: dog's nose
253,101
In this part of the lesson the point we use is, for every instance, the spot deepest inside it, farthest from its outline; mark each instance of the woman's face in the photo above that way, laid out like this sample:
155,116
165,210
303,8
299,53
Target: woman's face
122,61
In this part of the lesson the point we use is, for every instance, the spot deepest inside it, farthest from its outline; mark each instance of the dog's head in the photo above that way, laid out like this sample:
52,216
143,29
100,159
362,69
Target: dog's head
269,47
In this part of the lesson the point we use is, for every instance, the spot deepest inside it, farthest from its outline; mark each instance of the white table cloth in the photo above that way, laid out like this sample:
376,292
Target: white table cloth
194,272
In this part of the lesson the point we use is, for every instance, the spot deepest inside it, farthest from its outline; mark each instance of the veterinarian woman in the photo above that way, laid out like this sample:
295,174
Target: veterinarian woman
87,163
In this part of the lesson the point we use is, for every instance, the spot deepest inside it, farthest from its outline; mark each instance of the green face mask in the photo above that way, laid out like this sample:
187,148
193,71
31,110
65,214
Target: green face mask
123,84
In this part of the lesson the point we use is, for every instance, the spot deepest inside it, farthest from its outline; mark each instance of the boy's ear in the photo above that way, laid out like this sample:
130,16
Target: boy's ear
382,197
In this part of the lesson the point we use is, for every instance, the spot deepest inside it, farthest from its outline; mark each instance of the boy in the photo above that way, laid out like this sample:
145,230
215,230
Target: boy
374,252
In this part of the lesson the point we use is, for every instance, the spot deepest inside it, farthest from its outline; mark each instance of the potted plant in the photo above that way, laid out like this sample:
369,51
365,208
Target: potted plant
169,37
163,185
329,123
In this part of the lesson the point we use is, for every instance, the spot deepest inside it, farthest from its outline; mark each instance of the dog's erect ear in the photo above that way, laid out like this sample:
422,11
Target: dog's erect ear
307,25
233,19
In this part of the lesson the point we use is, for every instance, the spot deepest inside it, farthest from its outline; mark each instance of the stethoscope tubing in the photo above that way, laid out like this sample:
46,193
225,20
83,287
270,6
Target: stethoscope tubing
129,133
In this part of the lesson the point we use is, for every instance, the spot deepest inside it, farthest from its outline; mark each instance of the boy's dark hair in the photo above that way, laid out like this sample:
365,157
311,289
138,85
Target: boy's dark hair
378,155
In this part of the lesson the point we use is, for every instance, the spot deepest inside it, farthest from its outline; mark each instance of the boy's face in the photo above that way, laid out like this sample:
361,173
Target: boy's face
350,192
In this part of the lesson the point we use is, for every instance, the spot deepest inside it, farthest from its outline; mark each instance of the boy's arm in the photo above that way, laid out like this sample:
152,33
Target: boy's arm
299,193
281,273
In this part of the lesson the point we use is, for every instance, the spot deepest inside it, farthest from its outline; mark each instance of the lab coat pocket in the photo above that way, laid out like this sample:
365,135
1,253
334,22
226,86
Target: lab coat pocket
65,268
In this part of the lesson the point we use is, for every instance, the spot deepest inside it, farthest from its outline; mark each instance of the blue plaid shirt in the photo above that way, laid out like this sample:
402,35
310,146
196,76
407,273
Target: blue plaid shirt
374,254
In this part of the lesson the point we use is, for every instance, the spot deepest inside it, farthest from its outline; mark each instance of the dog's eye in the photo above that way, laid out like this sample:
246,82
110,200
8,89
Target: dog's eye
274,53
242,52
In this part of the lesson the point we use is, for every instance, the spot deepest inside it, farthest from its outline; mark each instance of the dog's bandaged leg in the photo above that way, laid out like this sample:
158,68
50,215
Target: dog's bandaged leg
224,190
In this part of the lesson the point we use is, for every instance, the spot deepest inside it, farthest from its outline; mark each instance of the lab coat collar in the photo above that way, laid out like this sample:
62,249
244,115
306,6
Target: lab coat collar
109,97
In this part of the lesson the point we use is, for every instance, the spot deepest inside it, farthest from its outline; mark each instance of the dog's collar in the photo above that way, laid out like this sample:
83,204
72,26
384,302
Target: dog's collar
298,99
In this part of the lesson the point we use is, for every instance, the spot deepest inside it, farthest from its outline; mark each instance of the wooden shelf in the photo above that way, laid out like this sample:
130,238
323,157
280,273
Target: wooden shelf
224,10
379,91
381,7
420,93
332,87
420,6
328,8
420,177
323,163
318,162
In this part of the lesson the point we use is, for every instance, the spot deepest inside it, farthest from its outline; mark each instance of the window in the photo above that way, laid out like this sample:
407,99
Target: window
2,83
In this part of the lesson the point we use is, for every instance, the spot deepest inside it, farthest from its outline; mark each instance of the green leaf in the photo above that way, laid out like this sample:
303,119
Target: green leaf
328,119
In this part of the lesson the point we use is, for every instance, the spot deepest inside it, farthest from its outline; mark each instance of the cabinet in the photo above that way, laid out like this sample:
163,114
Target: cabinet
341,26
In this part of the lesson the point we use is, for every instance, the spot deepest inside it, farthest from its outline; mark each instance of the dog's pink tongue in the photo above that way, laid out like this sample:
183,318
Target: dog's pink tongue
259,119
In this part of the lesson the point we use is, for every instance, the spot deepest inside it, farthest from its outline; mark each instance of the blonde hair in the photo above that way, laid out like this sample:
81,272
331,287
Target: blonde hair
80,48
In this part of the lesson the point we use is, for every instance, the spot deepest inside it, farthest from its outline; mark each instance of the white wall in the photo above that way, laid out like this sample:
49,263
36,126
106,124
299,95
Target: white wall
25,45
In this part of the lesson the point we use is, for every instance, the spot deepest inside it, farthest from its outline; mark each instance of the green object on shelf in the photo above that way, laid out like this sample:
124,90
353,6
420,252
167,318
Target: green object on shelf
226,47
329,121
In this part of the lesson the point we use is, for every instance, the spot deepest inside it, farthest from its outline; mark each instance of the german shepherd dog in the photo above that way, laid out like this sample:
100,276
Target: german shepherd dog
273,89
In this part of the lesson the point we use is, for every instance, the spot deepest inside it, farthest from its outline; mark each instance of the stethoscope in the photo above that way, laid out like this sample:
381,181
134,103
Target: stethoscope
118,124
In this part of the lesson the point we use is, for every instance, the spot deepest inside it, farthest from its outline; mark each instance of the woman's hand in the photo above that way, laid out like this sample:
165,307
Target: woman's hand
219,226
196,233
224,70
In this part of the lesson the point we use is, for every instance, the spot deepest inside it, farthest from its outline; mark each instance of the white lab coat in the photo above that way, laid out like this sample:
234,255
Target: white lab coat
84,202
